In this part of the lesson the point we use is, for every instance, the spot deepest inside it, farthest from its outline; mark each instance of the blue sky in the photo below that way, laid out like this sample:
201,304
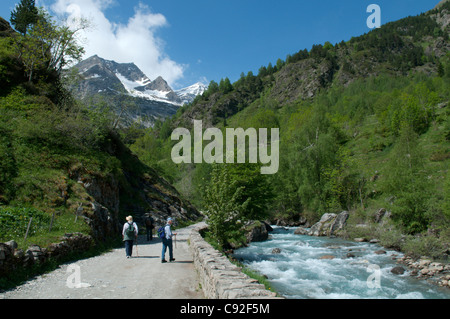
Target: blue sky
204,40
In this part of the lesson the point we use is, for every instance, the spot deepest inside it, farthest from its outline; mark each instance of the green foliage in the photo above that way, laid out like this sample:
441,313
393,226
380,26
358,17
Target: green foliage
14,222
24,14
407,180
256,192
8,166
225,86
223,207
48,46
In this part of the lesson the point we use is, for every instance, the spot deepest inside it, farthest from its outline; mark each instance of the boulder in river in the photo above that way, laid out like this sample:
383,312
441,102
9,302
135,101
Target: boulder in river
276,251
327,257
399,270
329,225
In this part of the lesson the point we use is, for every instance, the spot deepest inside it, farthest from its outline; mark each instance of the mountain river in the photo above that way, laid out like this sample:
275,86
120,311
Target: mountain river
320,268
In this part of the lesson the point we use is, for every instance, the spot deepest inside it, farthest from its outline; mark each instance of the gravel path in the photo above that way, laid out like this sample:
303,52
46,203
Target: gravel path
113,276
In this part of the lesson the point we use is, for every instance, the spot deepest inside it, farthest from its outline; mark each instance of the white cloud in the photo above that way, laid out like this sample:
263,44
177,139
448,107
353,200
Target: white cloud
134,41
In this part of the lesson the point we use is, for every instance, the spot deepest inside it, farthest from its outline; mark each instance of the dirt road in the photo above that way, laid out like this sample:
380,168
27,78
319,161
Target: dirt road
113,276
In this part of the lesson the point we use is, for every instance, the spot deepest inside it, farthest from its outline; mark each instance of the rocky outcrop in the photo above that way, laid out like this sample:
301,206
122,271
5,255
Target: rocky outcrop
329,225
219,278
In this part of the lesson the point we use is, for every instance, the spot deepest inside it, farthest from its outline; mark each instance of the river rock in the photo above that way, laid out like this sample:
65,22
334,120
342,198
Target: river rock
329,224
380,252
276,251
327,257
301,231
399,270
257,231
423,263
339,223
359,240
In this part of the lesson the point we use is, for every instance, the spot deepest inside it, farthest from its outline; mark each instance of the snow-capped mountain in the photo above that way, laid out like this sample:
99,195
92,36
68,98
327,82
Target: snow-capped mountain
120,84
188,94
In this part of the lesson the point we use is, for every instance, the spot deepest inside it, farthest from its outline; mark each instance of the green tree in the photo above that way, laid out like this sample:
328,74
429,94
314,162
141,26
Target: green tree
24,14
225,86
223,207
49,46
256,190
407,181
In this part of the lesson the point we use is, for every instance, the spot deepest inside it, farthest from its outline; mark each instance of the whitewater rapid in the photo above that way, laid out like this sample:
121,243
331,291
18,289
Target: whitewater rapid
332,268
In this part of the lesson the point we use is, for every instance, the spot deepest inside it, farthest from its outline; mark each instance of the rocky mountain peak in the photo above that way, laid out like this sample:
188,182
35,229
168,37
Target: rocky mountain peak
116,82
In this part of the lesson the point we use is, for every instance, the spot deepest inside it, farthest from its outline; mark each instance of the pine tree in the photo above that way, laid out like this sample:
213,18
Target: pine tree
24,15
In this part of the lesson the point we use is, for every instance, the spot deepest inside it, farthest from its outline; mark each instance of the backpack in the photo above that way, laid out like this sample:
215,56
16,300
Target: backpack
130,231
161,232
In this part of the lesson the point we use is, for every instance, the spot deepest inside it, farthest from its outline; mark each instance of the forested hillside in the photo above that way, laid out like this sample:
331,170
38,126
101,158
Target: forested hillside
364,125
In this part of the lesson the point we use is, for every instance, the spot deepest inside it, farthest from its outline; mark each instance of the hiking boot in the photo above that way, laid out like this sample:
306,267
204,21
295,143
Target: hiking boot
173,259
163,261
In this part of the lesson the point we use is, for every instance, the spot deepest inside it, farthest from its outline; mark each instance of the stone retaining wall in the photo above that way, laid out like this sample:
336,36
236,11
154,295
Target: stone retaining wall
220,279
12,259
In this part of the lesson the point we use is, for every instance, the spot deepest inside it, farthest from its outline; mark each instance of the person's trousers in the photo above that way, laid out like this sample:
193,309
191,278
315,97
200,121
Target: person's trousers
128,247
149,233
167,243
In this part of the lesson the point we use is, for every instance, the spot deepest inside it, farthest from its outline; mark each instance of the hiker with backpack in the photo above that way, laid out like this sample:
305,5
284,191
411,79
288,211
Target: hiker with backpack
129,234
166,235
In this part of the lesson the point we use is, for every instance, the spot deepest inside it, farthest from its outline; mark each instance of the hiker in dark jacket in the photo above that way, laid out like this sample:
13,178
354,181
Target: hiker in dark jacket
149,226
129,234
